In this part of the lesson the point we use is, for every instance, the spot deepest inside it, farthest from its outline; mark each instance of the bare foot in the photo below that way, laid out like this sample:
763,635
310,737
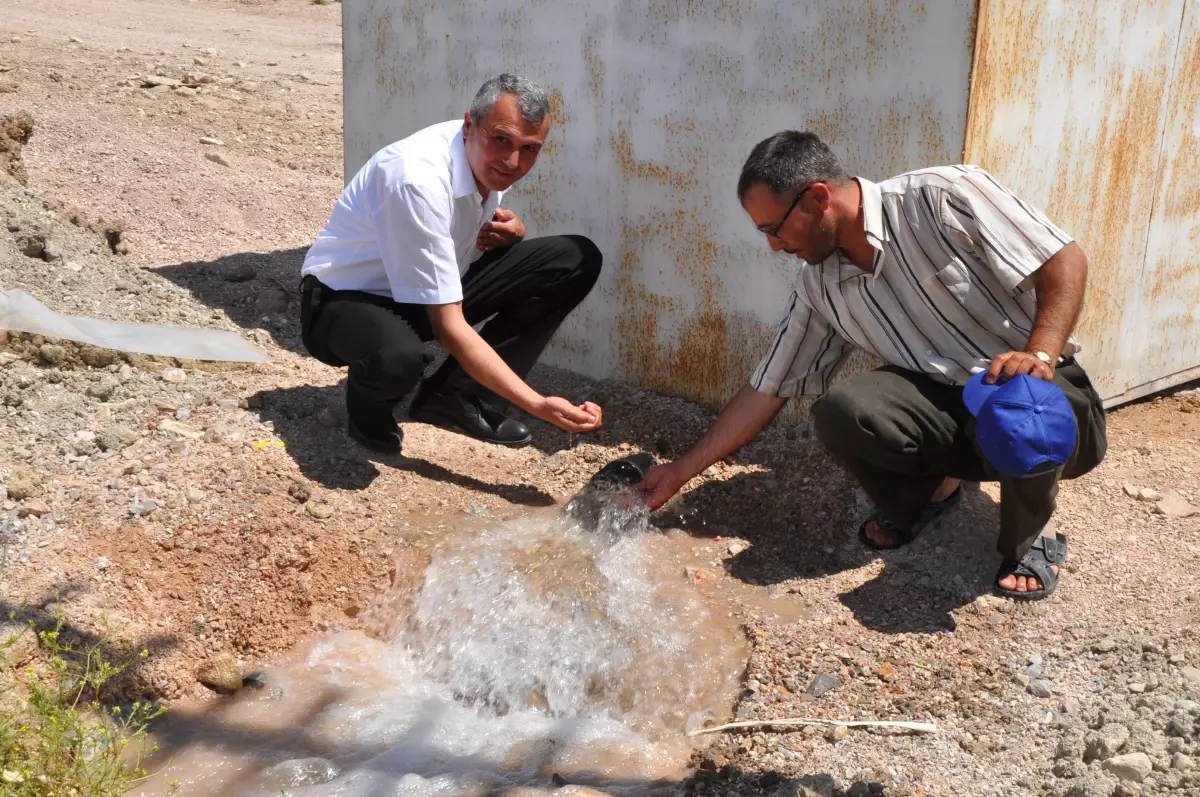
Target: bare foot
1017,583
880,537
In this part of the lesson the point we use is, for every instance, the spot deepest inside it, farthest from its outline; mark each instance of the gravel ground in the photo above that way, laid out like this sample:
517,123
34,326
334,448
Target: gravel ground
216,515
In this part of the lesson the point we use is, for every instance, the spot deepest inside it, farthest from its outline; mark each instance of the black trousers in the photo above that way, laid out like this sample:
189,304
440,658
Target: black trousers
901,433
526,290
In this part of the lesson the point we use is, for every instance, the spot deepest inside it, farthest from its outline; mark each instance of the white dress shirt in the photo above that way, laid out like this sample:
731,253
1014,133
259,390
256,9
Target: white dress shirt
406,225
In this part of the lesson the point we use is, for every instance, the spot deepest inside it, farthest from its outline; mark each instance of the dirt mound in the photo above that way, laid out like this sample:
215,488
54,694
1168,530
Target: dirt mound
15,132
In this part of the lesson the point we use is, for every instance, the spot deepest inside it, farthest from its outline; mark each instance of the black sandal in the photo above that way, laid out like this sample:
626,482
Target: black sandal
932,513
1037,563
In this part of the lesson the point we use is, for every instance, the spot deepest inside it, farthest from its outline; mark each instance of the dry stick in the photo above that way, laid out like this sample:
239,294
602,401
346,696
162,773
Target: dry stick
919,727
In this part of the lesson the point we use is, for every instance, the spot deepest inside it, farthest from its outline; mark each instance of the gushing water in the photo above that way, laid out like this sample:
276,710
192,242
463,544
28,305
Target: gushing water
546,648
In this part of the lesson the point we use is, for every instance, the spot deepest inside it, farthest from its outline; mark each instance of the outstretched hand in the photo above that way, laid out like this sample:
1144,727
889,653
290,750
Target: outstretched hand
661,484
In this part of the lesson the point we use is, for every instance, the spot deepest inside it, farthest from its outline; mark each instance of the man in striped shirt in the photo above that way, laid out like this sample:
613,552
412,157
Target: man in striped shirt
941,273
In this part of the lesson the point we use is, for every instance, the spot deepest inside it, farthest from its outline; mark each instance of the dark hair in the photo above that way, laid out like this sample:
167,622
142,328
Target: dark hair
789,160
532,99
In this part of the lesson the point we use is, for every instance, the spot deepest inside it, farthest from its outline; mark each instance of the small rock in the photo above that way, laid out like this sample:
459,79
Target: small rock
1133,767
216,158
753,685
195,495
1181,762
1041,689
254,680
1132,491
102,563
227,404
1187,706
736,547
1174,505
23,483
198,61
52,354
319,510
327,418
153,81
1071,706
75,40
221,674
1178,658
1190,674
216,142
271,301
1149,495
1180,727
175,376
239,64
837,733
1137,688
1106,645
33,507
143,508
181,429
995,620
1106,742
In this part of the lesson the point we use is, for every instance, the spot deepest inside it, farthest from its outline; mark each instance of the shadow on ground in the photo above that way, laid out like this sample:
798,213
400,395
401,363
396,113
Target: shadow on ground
305,419
79,647
257,290
802,527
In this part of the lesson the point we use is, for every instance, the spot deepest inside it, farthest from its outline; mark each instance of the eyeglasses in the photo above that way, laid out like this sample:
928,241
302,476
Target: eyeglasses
775,232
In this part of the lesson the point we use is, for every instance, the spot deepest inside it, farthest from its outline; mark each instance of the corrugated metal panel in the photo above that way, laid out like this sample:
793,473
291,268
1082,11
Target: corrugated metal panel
1169,312
660,102
1069,105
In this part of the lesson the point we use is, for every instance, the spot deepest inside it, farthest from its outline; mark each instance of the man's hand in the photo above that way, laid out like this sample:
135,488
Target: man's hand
505,229
583,418
662,483
1014,363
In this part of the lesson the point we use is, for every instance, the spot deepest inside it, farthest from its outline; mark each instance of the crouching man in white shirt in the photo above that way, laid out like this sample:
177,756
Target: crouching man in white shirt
418,248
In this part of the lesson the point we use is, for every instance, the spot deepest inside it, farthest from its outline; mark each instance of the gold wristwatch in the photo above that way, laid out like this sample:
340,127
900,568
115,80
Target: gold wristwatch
1041,355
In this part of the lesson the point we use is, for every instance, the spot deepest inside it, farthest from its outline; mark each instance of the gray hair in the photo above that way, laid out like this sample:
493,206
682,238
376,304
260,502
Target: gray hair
532,99
790,160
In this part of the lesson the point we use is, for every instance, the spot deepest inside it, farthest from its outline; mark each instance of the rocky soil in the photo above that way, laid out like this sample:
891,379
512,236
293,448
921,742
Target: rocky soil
173,160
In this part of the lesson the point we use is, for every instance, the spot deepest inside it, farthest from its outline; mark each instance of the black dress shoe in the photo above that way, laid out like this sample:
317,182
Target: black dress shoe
385,443
465,413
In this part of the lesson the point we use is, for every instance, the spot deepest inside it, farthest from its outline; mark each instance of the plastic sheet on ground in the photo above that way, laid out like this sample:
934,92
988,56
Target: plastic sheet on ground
21,312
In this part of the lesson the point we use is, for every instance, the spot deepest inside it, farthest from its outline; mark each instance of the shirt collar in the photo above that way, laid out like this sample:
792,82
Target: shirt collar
872,205
461,178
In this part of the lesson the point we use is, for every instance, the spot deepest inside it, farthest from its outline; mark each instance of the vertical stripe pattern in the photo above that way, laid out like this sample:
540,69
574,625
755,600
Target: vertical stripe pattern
950,291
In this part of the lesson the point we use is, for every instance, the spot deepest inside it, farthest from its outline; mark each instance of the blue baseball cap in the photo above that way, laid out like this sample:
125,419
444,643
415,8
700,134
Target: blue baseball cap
1024,427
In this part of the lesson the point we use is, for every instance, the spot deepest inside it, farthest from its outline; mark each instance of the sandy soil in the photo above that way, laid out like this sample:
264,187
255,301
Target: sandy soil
226,514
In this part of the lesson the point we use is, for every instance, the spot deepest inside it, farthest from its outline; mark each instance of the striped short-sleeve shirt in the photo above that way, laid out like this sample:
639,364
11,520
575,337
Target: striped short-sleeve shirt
950,289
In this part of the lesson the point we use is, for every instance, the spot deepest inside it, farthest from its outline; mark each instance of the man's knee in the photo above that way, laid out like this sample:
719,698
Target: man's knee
580,258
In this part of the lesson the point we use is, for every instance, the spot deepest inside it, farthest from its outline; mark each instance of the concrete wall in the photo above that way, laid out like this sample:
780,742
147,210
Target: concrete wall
658,103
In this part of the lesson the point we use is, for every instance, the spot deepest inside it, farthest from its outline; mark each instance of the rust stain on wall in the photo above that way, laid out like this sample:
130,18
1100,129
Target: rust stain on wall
1092,176
632,168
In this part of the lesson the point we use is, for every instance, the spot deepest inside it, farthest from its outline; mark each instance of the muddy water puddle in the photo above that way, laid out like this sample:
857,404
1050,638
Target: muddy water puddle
532,652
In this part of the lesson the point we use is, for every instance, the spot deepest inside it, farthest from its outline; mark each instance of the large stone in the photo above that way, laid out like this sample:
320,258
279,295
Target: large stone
221,673
1133,767
299,772
1174,505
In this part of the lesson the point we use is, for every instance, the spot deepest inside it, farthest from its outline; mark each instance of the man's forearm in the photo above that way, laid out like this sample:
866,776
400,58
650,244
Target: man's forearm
746,414
1059,287
482,362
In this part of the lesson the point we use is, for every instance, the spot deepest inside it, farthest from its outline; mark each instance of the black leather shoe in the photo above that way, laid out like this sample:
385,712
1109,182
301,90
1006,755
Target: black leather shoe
464,413
387,443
